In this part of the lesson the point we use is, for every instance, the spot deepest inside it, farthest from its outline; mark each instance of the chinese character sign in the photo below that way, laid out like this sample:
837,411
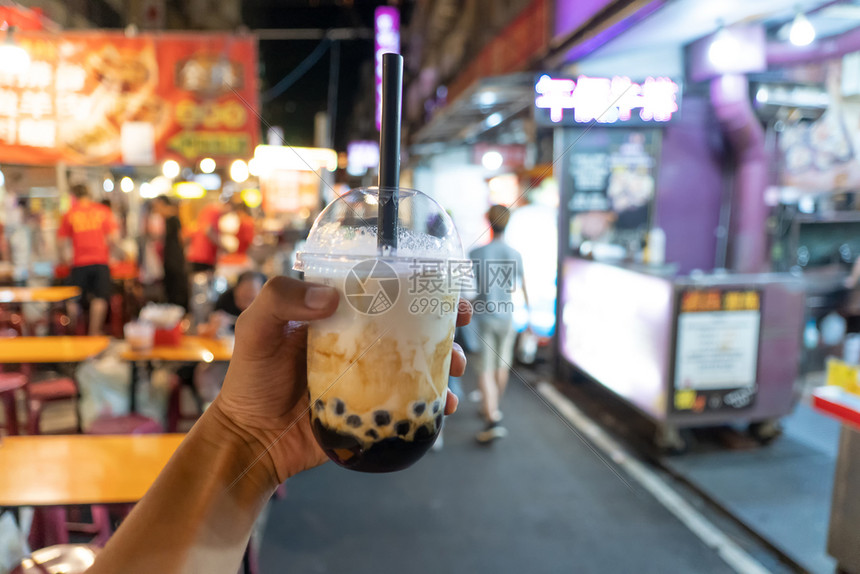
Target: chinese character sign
84,94
387,28
609,101
211,83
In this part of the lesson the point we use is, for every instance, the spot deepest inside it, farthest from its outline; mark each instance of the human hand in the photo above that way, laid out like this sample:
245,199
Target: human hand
264,397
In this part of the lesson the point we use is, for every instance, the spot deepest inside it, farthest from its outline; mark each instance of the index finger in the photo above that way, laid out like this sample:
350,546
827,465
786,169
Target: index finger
464,313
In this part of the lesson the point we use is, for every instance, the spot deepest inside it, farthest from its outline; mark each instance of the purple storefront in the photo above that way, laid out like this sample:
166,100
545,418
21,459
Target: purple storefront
667,293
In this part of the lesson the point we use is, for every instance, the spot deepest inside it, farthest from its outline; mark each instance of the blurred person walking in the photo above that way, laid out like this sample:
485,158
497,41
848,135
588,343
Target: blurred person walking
175,272
498,269
89,230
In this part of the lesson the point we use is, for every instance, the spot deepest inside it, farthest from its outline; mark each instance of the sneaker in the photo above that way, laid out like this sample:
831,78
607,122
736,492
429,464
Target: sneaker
492,432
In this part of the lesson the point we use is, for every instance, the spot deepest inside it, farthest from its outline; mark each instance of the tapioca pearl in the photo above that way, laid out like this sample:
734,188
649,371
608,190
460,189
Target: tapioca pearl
402,428
381,418
372,434
339,407
436,406
423,433
419,407
438,421
319,405
354,421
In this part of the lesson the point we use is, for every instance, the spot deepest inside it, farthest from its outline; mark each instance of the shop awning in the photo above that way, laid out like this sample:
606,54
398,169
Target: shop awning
488,103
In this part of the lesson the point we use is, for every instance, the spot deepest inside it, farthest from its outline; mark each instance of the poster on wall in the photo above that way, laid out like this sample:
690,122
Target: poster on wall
96,98
611,172
716,353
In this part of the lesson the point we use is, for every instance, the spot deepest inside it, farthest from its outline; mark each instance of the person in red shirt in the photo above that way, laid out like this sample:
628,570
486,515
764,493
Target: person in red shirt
202,250
90,229
246,232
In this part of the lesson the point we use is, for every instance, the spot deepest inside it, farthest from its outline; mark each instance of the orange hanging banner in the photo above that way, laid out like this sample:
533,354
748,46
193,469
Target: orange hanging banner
107,99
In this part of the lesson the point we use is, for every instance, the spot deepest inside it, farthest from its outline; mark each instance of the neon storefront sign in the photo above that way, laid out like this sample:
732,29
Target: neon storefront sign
617,100
387,39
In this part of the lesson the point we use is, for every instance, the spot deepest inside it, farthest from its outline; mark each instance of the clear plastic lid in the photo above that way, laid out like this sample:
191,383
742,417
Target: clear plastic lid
346,229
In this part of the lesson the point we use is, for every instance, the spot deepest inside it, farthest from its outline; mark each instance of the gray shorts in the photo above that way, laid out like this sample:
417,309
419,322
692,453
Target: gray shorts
496,340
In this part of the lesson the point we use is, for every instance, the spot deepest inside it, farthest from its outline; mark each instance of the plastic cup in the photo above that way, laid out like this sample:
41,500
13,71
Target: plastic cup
378,368
140,335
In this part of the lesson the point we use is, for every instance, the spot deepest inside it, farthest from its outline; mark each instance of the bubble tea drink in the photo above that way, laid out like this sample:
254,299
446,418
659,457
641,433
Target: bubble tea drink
378,368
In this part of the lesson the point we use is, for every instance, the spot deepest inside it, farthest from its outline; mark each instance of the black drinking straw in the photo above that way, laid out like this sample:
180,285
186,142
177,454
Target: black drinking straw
389,150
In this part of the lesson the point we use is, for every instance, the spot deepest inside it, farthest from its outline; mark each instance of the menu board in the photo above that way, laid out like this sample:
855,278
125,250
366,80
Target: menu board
96,98
611,170
716,354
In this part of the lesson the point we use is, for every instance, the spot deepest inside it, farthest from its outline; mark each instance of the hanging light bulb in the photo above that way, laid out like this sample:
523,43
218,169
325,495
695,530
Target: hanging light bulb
13,58
802,32
725,49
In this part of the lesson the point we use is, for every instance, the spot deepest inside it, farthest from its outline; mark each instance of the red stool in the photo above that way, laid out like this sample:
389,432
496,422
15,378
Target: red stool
43,392
175,416
125,424
117,315
9,383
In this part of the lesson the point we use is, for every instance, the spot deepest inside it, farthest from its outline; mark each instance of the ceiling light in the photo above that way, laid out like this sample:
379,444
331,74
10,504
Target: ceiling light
492,160
725,49
802,32
494,119
13,58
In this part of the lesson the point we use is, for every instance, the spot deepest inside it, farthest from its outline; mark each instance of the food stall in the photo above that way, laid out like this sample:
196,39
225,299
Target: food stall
685,351
641,311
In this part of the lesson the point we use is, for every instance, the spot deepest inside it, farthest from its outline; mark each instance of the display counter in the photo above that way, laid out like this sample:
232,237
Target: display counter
685,351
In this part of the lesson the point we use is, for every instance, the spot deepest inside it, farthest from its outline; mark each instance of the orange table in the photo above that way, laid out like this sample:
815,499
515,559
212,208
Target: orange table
51,349
38,294
191,349
61,470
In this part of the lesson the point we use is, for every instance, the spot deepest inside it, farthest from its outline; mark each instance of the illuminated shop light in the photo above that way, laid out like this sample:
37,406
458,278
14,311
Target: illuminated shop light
14,59
207,165
126,184
253,167
170,169
107,185
189,190
239,171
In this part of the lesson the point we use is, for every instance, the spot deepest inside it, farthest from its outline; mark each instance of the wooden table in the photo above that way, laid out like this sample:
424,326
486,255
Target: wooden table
191,349
59,470
38,294
51,349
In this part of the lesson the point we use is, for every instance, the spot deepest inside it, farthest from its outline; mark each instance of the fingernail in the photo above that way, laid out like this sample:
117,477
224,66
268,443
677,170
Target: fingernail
318,297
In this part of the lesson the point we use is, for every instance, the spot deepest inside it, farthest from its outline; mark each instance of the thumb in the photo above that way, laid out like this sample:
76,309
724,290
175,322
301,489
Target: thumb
283,300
